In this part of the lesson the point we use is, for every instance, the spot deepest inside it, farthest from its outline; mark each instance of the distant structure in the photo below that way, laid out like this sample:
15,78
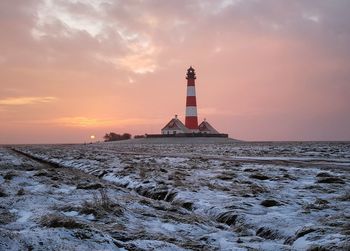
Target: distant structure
191,120
205,127
175,128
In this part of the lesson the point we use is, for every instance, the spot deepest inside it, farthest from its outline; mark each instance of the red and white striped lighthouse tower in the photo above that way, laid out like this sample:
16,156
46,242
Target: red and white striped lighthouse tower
191,120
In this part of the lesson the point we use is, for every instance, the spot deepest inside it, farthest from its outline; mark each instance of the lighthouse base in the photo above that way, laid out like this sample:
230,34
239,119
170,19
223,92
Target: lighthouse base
188,135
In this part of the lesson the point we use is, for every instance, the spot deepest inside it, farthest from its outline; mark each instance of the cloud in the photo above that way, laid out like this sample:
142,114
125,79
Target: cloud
139,64
26,100
207,111
113,62
81,121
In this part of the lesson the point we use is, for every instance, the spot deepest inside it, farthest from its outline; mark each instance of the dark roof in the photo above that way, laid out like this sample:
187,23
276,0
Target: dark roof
206,127
176,124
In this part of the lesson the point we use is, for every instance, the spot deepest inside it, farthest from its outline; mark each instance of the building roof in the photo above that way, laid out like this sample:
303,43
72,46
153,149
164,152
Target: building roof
206,127
176,124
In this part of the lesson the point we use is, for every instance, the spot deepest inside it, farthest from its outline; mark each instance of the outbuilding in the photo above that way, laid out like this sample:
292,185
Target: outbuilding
175,126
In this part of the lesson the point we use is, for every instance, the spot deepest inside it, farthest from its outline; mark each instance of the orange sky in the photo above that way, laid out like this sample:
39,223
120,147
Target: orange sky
266,70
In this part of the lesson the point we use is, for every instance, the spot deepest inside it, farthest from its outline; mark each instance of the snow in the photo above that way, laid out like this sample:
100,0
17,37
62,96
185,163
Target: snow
71,213
176,196
156,245
65,189
24,216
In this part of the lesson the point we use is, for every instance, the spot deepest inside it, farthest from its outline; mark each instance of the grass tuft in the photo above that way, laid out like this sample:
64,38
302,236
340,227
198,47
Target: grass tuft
9,175
2,192
21,192
58,220
100,205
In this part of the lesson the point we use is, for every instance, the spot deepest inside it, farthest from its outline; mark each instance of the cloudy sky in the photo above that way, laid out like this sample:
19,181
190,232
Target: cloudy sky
266,69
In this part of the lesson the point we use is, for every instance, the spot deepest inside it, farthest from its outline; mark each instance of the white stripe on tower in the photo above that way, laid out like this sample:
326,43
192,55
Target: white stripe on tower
191,121
191,111
191,91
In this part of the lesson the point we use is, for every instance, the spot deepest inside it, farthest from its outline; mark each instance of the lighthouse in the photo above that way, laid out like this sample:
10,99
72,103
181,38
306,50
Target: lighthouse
175,128
191,119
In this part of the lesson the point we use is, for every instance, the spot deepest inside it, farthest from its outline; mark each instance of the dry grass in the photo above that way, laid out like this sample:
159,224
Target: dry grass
100,205
9,175
331,180
41,173
6,216
2,192
21,192
89,186
270,203
58,220
345,197
143,172
259,176
318,204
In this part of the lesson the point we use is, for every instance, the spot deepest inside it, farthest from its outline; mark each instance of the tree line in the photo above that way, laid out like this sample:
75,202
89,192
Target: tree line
112,136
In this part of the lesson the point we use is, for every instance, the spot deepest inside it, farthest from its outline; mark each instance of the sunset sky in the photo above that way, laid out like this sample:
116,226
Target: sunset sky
266,70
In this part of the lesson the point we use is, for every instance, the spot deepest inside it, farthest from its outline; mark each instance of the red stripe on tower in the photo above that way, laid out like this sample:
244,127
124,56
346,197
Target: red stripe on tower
191,120
191,101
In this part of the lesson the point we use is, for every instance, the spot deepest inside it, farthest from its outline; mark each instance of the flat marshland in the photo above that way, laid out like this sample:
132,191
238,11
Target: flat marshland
187,195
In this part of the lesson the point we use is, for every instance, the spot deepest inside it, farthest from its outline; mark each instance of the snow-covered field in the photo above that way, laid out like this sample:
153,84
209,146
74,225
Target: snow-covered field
184,196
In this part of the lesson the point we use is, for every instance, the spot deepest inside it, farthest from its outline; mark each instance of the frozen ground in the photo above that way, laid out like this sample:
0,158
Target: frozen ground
183,196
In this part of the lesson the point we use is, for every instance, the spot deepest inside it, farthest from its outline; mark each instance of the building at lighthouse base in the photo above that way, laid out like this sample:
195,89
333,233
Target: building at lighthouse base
175,128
